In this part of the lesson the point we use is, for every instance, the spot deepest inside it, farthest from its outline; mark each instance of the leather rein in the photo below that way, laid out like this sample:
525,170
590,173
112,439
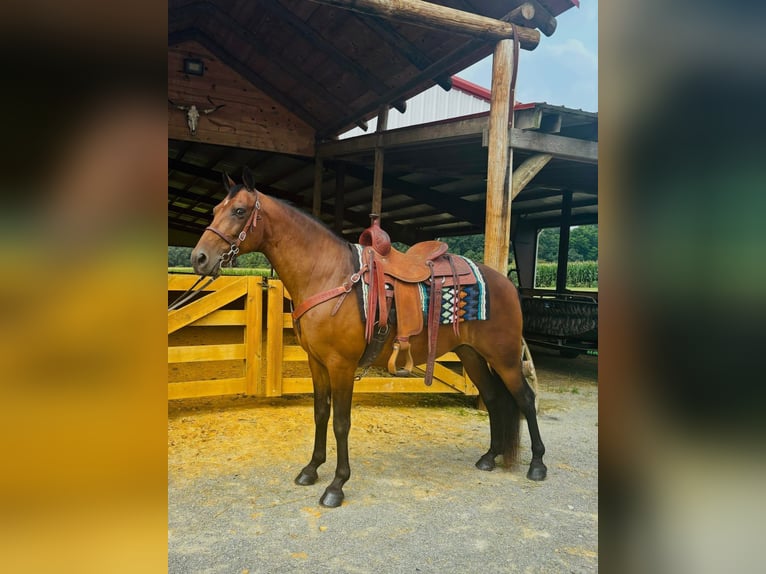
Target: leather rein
226,259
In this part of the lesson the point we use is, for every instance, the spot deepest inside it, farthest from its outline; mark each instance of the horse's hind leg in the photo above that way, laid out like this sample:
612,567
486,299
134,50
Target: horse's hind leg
503,412
322,393
525,398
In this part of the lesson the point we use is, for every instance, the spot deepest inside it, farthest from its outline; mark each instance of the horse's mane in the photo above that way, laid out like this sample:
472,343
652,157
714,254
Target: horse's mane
307,220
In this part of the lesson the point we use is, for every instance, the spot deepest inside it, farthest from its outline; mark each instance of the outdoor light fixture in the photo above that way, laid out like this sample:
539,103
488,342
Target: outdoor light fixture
194,67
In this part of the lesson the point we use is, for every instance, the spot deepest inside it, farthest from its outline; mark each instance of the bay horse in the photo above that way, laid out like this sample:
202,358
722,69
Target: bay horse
311,259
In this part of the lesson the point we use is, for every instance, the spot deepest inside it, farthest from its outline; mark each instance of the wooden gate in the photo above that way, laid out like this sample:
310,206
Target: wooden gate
244,298
283,369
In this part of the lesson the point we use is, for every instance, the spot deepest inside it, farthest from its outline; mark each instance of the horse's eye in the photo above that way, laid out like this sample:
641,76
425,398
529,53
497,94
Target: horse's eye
240,211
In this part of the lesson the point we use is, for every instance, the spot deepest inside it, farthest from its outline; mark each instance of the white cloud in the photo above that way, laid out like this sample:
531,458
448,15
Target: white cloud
574,53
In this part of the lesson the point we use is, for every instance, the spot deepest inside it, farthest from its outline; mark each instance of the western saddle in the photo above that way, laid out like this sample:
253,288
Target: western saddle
393,278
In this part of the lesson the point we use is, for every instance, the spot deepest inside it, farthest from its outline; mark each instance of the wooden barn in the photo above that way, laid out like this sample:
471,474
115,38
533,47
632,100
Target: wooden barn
273,85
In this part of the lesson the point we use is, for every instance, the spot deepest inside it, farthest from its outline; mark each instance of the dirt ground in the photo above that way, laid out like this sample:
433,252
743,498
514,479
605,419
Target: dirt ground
414,503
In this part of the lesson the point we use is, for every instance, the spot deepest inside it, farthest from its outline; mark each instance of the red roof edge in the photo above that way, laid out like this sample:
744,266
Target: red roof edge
471,88
483,93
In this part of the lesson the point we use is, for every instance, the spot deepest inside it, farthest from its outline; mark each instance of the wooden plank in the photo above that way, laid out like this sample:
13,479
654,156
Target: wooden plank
434,16
447,376
221,318
253,339
558,146
193,353
193,311
211,388
274,338
181,281
528,169
300,385
293,353
497,230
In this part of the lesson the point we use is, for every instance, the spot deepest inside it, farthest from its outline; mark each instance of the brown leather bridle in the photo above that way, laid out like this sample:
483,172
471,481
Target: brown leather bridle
235,242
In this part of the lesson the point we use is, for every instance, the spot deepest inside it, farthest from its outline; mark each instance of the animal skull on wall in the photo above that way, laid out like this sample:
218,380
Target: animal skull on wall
193,113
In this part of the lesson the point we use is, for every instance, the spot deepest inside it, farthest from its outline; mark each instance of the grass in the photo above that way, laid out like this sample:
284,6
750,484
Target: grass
238,271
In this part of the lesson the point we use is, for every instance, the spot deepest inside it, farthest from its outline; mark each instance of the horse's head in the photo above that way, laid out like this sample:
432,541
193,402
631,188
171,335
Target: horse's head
234,227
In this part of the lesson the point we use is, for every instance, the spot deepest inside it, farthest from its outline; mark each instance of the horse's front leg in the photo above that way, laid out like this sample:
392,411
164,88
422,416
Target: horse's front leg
322,393
343,389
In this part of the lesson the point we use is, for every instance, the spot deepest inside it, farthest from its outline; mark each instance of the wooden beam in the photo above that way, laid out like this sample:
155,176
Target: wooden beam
522,15
542,18
434,16
529,168
377,182
316,203
555,207
581,219
340,185
497,231
566,216
585,151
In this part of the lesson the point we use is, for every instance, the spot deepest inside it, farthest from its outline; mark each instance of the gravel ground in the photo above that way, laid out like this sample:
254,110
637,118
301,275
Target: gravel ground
414,503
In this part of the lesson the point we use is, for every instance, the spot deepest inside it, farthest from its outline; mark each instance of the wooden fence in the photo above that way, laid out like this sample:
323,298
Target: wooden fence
266,360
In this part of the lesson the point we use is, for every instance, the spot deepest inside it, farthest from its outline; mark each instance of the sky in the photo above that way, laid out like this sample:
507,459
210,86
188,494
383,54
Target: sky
562,70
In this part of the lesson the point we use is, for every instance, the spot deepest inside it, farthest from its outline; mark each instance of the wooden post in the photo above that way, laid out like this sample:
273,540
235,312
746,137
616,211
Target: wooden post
274,338
377,182
253,330
340,185
499,161
316,205
561,268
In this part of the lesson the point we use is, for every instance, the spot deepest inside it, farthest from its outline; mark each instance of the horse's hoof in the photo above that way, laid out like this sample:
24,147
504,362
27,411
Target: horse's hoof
331,498
537,472
486,462
306,478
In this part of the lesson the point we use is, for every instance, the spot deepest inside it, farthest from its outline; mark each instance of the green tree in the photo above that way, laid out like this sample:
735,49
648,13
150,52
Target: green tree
255,260
583,243
179,256
471,246
548,244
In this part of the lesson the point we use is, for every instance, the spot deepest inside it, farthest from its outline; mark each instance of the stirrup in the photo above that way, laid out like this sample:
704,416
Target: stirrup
408,363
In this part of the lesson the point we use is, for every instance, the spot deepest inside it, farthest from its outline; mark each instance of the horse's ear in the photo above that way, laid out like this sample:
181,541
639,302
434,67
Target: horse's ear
248,179
228,183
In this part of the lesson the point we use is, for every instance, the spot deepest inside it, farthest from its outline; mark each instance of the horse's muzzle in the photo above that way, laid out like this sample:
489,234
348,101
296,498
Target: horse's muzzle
200,261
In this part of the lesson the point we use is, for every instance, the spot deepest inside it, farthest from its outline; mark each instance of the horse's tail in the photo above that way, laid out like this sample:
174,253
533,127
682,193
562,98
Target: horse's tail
510,424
